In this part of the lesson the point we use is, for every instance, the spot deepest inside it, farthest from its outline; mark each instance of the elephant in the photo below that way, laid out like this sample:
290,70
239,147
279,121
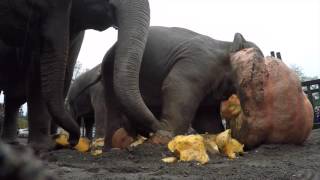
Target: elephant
21,85
183,79
43,31
85,100
13,84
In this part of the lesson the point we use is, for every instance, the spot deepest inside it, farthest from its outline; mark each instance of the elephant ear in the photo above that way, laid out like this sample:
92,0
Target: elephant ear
238,43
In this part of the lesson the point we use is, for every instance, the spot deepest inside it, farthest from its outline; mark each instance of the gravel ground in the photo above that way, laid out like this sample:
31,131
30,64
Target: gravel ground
144,162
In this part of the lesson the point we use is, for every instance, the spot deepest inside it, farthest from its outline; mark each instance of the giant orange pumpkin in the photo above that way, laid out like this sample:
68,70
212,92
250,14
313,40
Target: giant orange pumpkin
274,108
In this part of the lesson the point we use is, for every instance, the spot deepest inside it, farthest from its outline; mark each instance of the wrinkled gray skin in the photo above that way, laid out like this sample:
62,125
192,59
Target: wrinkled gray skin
183,77
19,83
43,30
12,83
86,100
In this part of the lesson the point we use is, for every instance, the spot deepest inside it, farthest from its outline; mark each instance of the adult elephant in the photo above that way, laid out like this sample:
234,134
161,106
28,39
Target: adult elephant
183,79
43,29
21,84
12,83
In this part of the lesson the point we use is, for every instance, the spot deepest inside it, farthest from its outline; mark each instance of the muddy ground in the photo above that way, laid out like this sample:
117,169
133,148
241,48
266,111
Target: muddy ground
144,162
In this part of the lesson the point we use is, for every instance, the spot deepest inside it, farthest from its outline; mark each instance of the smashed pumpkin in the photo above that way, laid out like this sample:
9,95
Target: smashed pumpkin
97,146
121,139
62,139
189,148
195,147
82,146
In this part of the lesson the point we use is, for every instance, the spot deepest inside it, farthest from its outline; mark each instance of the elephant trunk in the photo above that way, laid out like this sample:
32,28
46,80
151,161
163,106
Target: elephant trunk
132,19
53,63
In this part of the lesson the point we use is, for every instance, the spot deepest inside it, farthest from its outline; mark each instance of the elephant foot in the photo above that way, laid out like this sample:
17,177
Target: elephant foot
61,141
42,146
74,140
161,137
83,145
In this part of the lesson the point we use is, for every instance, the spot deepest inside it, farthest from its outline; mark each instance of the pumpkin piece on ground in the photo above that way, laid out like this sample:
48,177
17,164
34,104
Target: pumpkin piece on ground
121,139
189,148
233,148
97,146
83,145
169,159
223,138
210,143
140,140
62,139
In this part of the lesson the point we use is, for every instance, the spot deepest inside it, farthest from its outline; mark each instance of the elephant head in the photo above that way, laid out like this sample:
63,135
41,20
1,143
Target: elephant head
131,17
56,22
41,29
240,43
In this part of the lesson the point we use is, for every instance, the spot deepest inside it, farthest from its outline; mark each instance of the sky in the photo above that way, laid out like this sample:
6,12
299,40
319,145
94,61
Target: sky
291,27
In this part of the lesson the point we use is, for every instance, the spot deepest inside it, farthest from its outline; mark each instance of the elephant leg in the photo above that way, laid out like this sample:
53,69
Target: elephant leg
100,116
53,128
208,120
39,123
9,133
112,124
112,120
177,111
88,125
100,109
181,97
118,131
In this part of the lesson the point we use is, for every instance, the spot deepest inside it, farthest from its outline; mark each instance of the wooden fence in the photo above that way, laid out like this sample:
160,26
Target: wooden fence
312,89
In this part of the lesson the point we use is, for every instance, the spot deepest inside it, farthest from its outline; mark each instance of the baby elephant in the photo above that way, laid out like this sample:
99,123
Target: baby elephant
183,78
86,101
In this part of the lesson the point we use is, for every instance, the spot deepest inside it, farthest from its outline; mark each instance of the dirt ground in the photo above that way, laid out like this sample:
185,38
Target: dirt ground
144,162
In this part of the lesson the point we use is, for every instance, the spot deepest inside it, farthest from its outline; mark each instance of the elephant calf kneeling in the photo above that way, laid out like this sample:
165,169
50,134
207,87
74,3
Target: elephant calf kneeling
182,77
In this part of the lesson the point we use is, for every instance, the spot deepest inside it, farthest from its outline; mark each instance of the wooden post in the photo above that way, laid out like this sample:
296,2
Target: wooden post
279,55
311,98
272,53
